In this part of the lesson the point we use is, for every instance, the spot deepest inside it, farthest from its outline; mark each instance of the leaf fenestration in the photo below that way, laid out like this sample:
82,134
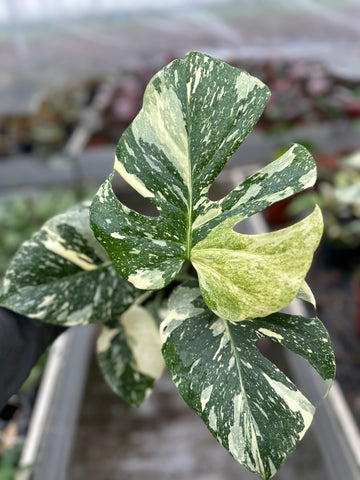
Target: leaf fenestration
195,114
291,173
247,403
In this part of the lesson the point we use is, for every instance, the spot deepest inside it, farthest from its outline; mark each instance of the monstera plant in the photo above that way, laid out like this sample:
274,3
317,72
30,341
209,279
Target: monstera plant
183,288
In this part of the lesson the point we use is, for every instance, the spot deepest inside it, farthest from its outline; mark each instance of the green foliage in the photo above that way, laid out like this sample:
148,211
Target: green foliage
196,113
62,275
21,217
8,462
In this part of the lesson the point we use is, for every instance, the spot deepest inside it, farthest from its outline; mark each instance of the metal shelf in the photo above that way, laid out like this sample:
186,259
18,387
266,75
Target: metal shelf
53,422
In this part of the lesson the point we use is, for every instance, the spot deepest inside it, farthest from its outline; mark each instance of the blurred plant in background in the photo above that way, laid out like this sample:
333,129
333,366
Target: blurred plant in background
338,194
303,92
21,216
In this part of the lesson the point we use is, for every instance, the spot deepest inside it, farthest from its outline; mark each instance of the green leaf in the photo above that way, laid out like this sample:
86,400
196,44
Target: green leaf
129,355
195,114
247,276
247,403
62,275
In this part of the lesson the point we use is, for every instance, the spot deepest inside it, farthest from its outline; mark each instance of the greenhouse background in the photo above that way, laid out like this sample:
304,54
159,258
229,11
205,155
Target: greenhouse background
72,77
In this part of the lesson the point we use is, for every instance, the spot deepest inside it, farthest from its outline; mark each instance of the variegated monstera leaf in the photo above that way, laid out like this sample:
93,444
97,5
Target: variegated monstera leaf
196,112
129,354
62,275
247,403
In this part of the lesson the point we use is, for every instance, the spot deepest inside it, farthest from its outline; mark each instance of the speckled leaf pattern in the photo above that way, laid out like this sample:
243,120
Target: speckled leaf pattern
291,173
62,275
247,276
247,403
129,355
195,114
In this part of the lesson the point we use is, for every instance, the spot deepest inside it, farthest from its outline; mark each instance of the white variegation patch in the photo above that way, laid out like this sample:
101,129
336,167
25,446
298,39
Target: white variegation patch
117,235
218,327
6,283
143,338
208,215
163,114
81,316
180,308
63,275
205,396
212,419
295,401
132,180
269,333
105,339
250,194
58,245
129,355
47,300
146,279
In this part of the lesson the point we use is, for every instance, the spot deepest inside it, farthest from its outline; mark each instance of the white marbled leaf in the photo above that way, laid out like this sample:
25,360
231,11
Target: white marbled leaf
247,403
62,275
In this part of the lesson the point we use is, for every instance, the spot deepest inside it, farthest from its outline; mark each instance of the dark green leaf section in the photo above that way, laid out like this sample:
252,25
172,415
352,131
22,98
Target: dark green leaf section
291,173
195,114
248,404
129,355
62,275
133,240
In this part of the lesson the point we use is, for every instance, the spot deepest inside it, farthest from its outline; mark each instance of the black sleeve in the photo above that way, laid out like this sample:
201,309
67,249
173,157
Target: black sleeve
22,341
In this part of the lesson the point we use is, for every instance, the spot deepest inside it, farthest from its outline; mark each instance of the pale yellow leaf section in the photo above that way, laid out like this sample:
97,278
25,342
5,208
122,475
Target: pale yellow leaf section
58,245
143,338
248,276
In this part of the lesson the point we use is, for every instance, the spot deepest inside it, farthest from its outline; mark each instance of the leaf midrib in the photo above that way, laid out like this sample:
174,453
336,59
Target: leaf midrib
237,361
190,186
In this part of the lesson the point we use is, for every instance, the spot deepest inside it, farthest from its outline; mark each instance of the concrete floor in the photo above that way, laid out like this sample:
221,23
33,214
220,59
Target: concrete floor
164,440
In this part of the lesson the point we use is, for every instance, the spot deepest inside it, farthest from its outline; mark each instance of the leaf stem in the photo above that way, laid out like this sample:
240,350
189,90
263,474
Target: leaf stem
140,300
184,272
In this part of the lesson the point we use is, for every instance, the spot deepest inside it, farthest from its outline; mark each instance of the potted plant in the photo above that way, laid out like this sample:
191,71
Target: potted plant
213,292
